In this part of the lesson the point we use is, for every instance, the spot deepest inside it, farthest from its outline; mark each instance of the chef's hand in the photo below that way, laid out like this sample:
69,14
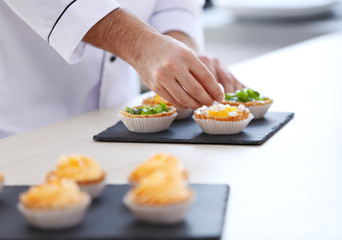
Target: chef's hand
219,70
167,66
222,74
173,71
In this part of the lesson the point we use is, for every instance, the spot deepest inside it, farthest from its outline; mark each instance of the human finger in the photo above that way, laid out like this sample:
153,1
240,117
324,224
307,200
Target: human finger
167,96
181,96
195,89
210,65
203,75
226,78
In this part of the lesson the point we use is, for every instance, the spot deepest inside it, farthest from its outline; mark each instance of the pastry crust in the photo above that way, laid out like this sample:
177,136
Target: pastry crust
172,110
249,104
1,177
239,117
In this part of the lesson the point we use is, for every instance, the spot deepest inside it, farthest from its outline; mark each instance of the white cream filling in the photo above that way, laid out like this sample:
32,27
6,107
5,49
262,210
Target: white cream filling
232,114
241,108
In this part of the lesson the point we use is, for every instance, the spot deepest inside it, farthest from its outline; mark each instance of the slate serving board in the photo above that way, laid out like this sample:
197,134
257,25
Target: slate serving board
187,131
108,218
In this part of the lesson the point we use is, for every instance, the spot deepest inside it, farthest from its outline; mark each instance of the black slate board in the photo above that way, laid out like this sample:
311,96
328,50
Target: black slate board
108,219
187,131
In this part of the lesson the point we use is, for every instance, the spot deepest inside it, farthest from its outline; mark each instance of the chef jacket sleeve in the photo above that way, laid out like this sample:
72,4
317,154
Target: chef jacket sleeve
63,23
179,15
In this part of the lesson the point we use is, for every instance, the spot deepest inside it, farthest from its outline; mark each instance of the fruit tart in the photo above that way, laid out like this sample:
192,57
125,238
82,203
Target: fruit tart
222,119
162,197
156,99
148,119
56,204
256,103
160,161
84,170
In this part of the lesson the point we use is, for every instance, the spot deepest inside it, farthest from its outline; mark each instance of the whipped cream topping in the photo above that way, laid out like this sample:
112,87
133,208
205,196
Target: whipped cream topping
241,108
232,114
220,107
203,110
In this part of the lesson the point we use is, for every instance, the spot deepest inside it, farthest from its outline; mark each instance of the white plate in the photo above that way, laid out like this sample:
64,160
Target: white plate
278,8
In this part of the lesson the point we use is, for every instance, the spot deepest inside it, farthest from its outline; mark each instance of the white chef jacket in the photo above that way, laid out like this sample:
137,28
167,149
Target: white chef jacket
54,75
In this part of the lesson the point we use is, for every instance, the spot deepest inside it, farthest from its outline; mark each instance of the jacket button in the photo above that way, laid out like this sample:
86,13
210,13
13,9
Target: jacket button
112,58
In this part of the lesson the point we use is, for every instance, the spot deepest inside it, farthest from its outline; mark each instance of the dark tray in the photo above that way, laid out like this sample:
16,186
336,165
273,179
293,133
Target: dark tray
187,131
107,218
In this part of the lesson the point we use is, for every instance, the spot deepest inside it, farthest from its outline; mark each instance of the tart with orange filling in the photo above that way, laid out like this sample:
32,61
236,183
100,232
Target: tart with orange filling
162,197
56,204
160,161
148,119
84,170
222,119
156,99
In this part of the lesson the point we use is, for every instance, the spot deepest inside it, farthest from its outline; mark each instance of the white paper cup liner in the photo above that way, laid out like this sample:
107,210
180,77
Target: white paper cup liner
55,219
259,111
211,126
183,113
94,189
159,214
147,125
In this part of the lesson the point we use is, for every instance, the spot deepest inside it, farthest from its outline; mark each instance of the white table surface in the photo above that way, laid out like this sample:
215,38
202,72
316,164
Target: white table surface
288,188
233,39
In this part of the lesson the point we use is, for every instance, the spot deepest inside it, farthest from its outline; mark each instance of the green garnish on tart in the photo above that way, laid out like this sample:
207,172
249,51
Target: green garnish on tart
148,110
244,95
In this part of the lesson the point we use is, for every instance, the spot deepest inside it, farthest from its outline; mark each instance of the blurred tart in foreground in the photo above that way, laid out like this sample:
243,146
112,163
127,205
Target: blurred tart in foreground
156,99
56,204
222,119
160,161
84,170
148,119
162,197
256,103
